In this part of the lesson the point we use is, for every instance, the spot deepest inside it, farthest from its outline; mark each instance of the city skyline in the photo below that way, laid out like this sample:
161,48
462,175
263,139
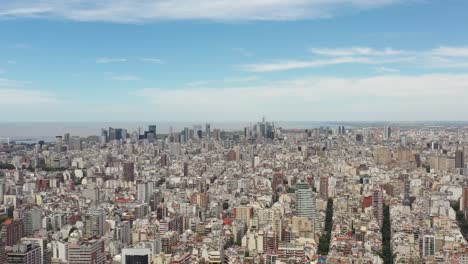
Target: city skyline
232,61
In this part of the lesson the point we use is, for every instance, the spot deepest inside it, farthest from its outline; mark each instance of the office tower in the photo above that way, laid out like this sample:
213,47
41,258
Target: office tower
304,200
94,221
66,138
123,232
187,133
459,159
377,204
58,144
305,203
12,231
199,133
142,192
75,143
129,171
186,169
387,132
208,131
324,188
25,253
119,134
428,245
32,220
136,256
86,251
111,134
152,131
104,136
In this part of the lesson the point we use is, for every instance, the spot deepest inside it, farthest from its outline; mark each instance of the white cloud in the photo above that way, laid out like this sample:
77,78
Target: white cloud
383,97
125,77
130,11
443,57
225,81
356,51
450,51
110,60
386,70
20,98
152,60
10,83
290,65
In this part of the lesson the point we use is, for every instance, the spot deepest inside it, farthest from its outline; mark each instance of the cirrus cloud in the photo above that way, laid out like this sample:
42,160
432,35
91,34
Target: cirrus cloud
129,11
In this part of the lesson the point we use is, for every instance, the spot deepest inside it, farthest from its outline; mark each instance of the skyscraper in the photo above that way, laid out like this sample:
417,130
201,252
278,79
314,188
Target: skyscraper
459,159
32,221
324,187
387,132
377,204
208,131
94,222
58,144
305,204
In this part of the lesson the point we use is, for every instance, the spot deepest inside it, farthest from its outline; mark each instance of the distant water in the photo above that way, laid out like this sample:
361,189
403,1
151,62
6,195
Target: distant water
31,132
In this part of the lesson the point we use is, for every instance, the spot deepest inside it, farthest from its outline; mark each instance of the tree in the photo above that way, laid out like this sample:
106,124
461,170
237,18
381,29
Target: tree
225,205
324,241
386,230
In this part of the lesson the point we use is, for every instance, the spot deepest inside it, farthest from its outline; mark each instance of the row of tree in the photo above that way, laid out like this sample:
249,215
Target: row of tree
324,242
386,229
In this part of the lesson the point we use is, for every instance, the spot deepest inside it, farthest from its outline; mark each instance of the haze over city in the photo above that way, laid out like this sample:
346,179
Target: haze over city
233,131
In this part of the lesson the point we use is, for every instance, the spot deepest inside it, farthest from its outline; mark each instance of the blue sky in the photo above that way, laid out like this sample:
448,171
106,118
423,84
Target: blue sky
206,60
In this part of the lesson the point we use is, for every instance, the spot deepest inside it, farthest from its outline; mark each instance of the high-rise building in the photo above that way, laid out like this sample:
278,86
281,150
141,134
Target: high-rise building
32,220
136,256
305,203
208,131
270,241
75,143
12,231
428,245
377,204
123,232
66,138
86,251
2,246
143,192
129,171
152,129
111,134
387,132
324,188
25,253
94,221
459,159
58,144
